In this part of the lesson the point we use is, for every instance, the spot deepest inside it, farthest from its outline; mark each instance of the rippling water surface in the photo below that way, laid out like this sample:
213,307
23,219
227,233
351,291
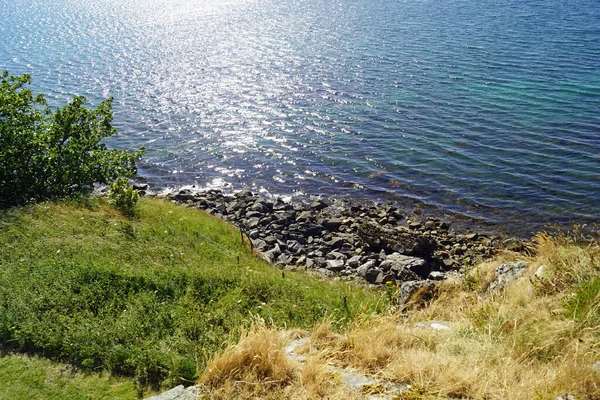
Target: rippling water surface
487,108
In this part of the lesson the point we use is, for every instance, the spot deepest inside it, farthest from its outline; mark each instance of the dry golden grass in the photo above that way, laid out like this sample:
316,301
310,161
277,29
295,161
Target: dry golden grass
518,343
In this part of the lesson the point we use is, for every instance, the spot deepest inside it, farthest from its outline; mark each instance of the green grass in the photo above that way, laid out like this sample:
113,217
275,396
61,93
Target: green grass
584,305
151,297
35,378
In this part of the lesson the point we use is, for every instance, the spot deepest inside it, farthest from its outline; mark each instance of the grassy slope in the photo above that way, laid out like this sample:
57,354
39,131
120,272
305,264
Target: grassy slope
152,297
537,339
35,378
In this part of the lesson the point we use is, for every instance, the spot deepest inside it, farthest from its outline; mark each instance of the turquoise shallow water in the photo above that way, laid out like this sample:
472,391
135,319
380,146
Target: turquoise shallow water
490,109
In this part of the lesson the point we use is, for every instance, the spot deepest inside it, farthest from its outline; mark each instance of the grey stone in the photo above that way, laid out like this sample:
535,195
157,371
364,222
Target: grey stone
436,325
437,276
259,244
271,240
513,244
304,216
354,262
314,230
335,255
372,275
284,259
362,270
405,267
272,254
335,243
177,393
335,265
318,205
333,224
294,247
260,207
507,273
566,396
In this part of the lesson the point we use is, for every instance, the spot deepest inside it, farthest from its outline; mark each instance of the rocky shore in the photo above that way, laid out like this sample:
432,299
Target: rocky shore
375,242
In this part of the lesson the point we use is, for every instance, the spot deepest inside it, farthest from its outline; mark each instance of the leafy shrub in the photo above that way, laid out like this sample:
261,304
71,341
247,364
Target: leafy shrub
45,154
123,197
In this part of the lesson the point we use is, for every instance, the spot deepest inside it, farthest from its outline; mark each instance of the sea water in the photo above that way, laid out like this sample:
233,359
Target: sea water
487,108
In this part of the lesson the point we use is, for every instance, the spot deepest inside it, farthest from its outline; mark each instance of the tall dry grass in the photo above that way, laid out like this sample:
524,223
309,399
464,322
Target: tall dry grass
518,343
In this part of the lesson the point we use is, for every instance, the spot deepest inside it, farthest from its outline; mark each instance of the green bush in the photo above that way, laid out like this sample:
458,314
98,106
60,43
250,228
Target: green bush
45,154
123,197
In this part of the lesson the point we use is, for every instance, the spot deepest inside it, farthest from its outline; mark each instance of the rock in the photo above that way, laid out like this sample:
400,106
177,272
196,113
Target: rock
437,325
372,275
309,263
362,270
332,224
335,265
437,276
259,244
140,186
354,262
383,278
304,216
596,366
450,263
398,263
270,240
177,393
513,244
415,291
294,247
566,397
506,273
539,273
314,230
335,255
272,254
261,207
414,225
335,243
184,195
284,259
318,205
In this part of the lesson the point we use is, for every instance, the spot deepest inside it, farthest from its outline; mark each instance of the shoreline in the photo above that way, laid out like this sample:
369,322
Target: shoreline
351,239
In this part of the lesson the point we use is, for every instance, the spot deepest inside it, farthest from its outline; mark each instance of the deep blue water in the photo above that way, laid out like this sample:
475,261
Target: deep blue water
487,108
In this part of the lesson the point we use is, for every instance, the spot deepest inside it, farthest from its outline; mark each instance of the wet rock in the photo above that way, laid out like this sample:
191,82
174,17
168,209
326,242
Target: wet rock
318,205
